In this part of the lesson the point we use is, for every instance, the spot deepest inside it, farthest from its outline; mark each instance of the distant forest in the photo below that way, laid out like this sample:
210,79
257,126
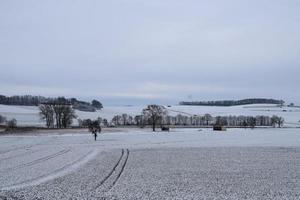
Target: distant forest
232,102
28,100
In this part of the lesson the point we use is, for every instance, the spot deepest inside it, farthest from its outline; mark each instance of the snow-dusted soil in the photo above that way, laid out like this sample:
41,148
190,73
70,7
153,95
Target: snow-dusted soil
28,115
210,173
139,164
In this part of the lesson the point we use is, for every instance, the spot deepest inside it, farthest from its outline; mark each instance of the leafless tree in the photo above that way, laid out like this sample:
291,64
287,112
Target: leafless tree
58,110
124,118
208,118
47,113
11,124
154,113
277,120
280,122
95,128
274,120
60,114
116,120
68,114
221,121
252,122
2,119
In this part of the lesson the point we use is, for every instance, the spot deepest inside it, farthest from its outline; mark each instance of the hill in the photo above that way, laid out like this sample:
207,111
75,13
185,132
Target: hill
232,102
28,100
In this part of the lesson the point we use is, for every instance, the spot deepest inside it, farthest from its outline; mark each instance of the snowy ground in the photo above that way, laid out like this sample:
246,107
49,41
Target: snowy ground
28,115
139,164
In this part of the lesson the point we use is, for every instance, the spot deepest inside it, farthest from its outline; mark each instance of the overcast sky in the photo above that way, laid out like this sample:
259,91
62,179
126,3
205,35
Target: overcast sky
154,51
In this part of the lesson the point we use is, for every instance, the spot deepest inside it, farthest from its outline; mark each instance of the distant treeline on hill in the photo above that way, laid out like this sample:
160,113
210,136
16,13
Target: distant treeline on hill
28,100
231,102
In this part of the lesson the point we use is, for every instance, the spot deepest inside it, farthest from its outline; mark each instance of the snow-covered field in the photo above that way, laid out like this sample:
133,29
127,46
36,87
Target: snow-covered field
139,164
133,163
28,115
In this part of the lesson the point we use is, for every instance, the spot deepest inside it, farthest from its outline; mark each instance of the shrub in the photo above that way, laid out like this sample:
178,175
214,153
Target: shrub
11,124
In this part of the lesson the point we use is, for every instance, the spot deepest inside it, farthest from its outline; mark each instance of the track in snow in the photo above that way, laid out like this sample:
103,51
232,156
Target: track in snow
111,179
68,168
19,155
40,160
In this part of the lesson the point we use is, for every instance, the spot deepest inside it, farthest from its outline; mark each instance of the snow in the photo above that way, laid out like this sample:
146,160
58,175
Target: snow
39,166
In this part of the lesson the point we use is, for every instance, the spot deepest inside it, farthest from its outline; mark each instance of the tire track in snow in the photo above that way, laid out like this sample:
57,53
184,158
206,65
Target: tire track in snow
15,149
122,170
66,169
112,178
19,155
111,172
27,146
40,160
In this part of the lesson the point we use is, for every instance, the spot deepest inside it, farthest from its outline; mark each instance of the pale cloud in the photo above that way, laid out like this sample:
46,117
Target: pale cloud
150,50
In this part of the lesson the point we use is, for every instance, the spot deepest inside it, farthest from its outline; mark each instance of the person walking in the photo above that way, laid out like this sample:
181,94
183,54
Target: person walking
95,128
95,135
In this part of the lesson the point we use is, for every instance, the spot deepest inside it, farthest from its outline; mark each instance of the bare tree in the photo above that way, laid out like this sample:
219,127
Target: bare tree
280,121
208,118
58,110
105,122
252,122
138,119
47,113
68,114
274,120
221,121
59,113
154,113
79,121
124,118
11,124
2,119
116,120
277,120
95,128
86,123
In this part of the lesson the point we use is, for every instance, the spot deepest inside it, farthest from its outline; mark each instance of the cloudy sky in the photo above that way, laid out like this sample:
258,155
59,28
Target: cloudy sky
158,51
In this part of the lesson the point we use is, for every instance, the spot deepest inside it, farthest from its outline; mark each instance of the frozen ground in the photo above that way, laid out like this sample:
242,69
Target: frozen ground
139,164
28,115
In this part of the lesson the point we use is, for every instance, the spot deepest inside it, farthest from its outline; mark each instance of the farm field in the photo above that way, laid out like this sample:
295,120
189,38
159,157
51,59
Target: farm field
140,164
149,100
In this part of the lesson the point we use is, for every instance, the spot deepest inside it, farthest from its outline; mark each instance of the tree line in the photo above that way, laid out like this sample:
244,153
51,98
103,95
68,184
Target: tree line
9,124
232,102
28,100
57,115
205,120
157,115
61,115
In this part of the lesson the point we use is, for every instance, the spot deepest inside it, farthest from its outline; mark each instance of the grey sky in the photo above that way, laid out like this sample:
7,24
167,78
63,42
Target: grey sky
131,51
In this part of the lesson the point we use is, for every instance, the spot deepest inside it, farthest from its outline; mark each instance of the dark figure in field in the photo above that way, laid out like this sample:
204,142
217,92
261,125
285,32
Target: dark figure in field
95,128
95,135
165,128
